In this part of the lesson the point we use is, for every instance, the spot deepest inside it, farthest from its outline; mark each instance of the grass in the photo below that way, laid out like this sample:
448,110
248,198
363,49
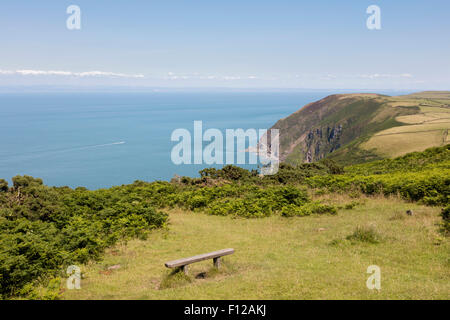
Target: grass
435,109
366,234
395,144
281,258
429,117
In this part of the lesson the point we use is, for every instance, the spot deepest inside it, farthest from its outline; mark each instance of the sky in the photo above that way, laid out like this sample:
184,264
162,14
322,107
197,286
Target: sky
321,44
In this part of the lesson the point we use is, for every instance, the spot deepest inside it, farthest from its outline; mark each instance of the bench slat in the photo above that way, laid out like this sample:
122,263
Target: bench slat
200,257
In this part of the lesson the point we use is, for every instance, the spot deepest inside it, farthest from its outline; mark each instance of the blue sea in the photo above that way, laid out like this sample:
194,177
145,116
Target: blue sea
98,140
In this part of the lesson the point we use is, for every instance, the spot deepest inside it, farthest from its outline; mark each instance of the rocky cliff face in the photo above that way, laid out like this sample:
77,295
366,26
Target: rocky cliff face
321,141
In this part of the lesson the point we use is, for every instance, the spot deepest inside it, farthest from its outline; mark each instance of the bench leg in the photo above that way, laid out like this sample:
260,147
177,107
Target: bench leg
216,262
184,269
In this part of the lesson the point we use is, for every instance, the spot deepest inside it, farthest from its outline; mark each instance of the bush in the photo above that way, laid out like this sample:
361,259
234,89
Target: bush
351,205
3,185
228,172
246,208
197,201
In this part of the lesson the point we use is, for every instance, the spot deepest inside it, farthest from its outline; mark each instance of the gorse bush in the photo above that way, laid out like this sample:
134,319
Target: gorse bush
255,208
245,200
3,185
43,229
228,172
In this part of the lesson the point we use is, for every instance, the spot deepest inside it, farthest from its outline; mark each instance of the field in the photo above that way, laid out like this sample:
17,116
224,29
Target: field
282,258
398,141
428,128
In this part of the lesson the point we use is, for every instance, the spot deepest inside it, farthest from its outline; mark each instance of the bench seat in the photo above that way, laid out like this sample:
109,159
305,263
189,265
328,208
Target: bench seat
216,255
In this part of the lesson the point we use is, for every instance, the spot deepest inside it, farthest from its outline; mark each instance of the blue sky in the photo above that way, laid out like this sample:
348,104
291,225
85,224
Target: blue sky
319,44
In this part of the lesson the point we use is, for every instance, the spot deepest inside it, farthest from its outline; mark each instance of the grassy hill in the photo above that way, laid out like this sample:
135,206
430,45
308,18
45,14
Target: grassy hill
308,232
278,258
356,128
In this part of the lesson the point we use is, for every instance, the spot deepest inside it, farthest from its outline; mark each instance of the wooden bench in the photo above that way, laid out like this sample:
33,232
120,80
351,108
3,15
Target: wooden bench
182,264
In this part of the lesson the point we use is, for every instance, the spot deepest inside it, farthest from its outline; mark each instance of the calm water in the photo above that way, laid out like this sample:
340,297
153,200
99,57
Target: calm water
99,140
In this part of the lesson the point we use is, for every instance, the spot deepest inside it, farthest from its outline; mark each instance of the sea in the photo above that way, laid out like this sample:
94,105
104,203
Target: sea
99,140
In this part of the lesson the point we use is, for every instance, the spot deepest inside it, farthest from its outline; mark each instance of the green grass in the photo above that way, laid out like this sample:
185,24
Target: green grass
366,234
283,258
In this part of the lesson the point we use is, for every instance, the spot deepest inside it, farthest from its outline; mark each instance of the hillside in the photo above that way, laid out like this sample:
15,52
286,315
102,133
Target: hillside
278,258
320,256
305,222
356,128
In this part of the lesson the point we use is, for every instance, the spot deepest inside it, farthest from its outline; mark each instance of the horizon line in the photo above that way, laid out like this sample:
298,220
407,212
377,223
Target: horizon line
156,89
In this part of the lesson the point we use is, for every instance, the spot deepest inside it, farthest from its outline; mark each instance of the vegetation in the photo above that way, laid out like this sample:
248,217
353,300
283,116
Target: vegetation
45,229
438,157
429,186
365,234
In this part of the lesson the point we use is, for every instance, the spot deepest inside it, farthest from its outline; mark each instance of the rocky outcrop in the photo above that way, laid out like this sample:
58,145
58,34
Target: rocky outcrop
321,141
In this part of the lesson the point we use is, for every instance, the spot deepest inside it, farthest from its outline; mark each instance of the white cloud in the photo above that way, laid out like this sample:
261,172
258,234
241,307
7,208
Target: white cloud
27,72
372,76
386,76
198,76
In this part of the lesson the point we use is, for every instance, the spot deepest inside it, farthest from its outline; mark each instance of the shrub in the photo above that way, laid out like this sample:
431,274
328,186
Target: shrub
228,172
3,185
25,181
197,201
241,207
351,205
